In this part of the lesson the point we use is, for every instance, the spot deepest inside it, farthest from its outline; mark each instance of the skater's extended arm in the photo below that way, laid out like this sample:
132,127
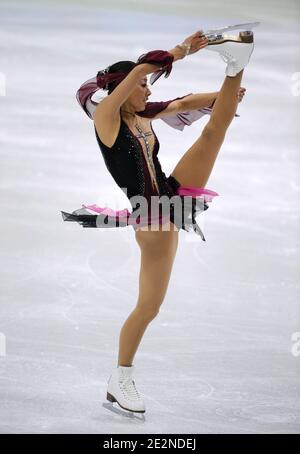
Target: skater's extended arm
200,100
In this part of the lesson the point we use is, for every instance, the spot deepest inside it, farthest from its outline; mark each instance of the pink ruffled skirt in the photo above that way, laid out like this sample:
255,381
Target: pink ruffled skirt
192,201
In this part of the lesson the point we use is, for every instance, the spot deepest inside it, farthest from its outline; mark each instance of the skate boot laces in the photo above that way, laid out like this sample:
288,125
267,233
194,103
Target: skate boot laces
227,56
128,388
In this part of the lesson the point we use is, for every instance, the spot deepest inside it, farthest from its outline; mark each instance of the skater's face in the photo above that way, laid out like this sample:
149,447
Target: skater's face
140,94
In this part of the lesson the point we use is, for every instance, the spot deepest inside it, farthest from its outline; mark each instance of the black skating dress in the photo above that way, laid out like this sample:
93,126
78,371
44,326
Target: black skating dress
127,164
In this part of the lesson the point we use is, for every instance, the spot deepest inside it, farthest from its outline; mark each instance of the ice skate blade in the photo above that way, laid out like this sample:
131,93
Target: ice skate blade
111,398
117,410
245,37
245,26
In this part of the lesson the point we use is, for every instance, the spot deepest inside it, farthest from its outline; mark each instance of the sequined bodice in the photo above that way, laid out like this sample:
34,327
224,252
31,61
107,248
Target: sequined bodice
147,140
127,164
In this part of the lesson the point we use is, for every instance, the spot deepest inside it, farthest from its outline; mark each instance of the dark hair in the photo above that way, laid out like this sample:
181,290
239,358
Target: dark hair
122,66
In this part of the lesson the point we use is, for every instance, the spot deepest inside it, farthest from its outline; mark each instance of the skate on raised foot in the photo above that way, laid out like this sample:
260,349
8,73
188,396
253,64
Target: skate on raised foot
235,50
121,389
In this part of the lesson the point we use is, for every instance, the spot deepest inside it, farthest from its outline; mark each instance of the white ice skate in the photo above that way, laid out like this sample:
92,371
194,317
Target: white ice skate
235,50
121,389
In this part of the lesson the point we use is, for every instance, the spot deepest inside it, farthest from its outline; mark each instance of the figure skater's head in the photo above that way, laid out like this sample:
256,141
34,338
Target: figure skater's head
136,102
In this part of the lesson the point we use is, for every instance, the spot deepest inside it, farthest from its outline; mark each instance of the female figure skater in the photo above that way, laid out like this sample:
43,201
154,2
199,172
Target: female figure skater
122,123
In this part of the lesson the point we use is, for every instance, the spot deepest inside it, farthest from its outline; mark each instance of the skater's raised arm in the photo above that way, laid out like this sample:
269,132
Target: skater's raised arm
110,106
190,45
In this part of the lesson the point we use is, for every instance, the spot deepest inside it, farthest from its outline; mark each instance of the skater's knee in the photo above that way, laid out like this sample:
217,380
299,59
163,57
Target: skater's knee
213,130
157,243
147,311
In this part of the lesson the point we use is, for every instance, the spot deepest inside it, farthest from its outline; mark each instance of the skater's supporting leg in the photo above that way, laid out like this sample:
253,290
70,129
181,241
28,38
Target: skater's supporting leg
195,167
158,250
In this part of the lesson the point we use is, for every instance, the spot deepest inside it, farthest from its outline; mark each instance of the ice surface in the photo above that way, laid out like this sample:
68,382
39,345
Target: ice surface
221,357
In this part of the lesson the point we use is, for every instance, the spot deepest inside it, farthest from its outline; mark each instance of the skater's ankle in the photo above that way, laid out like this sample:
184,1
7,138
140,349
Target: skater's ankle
237,75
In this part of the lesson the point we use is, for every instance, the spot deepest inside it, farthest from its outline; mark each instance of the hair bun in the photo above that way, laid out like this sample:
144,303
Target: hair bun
103,71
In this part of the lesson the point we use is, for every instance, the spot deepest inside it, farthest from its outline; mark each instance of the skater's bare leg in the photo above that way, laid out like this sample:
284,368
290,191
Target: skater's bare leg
195,167
158,250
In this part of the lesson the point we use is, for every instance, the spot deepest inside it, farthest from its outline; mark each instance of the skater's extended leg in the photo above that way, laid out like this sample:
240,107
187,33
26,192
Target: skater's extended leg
158,250
195,167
